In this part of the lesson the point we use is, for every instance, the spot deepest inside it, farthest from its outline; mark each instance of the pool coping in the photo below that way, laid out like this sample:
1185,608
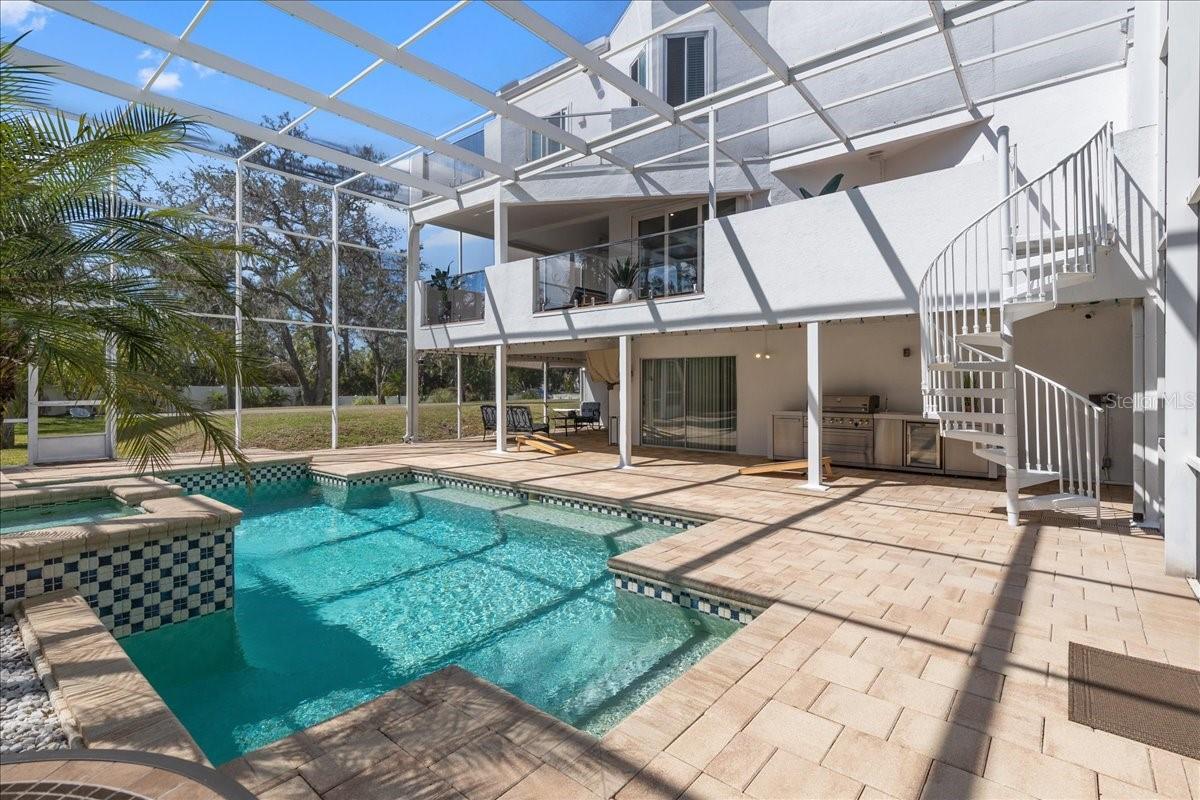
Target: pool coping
169,515
63,635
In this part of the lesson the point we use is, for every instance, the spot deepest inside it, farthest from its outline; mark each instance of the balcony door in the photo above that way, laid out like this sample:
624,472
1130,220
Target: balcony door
690,402
669,249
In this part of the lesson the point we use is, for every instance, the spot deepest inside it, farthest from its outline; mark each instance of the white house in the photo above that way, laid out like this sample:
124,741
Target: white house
1003,281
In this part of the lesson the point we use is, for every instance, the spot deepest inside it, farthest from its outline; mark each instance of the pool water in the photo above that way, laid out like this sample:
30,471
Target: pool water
342,595
51,516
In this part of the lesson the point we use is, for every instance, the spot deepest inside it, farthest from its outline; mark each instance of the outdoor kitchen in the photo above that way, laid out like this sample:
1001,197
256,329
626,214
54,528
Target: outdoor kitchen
857,431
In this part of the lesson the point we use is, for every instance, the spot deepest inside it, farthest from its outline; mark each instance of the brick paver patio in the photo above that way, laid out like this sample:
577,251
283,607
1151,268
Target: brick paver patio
914,646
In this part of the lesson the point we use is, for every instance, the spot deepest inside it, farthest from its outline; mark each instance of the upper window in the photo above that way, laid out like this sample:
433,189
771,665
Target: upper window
637,73
540,145
685,68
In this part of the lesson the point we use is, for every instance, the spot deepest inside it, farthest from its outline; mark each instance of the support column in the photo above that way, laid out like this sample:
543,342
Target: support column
412,279
333,329
32,412
1181,382
458,395
625,401
545,391
501,399
712,163
812,337
1012,486
237,307
499,228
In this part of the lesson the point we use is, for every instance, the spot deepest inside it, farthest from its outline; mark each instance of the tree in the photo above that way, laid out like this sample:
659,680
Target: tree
95,288
290,277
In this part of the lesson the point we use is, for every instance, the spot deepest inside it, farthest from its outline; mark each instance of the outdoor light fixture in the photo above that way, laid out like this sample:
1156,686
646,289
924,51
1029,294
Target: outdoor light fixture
764,353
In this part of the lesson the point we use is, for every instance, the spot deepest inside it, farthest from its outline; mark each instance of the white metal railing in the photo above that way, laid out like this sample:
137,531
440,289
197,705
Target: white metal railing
1012,260
1060,432
1013,252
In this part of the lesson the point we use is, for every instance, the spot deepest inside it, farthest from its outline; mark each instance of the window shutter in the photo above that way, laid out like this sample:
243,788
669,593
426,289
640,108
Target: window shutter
676,70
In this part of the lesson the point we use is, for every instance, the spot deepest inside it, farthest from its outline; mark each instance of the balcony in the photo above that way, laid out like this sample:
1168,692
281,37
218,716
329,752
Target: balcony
455,298
671,263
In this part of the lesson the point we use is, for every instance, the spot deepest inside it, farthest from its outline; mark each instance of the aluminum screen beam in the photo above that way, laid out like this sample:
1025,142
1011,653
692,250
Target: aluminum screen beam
127,26
566,44
364,40
939,19
571,47
773,61
79,76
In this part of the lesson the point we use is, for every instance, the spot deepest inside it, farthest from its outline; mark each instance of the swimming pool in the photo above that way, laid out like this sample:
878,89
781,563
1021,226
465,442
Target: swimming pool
16,520
343,595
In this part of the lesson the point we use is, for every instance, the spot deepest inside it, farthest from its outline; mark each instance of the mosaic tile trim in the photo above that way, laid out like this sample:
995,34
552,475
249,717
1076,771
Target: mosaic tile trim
342,481
140,587
193,482
686,598
63,503
651,517
474,486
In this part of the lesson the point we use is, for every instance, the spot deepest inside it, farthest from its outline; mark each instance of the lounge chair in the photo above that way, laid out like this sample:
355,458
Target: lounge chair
588,414
489,419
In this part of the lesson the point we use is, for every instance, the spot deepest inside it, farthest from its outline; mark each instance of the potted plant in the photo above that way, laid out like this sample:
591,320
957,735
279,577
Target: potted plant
442,281
624,273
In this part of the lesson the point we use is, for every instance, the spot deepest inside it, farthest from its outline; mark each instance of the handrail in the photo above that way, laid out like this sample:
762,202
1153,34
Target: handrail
1105,129
1007,264
618,242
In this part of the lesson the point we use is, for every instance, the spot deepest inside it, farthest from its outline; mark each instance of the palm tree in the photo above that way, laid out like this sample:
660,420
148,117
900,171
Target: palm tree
94,286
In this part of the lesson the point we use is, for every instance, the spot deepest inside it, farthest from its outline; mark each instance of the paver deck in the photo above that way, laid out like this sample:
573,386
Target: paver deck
914,646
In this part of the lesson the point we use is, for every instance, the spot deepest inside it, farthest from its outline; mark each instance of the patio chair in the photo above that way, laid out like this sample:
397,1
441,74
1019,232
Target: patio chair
521,421
588,414
489,419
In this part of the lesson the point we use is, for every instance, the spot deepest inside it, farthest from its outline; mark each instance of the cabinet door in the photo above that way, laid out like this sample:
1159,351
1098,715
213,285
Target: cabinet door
788,435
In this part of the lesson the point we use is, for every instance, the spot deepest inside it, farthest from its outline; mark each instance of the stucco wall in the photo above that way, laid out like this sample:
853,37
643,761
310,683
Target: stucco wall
1086,348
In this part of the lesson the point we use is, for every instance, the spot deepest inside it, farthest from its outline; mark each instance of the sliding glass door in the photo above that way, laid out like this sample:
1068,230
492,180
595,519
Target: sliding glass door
690,402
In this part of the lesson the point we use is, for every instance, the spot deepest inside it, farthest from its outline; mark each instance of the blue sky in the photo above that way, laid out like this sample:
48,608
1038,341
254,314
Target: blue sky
477,42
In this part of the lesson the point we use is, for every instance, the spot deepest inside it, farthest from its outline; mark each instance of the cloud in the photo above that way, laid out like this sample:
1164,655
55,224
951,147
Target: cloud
23,14
202,70
149,54
166,82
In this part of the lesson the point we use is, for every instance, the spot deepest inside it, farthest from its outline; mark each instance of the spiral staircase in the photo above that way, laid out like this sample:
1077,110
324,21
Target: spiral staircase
1009,265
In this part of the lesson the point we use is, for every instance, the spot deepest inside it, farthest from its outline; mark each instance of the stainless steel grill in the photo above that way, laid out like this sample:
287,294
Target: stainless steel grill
848,428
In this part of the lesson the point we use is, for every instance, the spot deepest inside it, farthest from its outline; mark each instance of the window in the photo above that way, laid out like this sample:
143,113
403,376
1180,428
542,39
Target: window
637,73
685,68
690,402
540,145
671,261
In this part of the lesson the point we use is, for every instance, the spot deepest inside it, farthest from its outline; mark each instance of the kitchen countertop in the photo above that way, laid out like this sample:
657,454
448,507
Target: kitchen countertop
914,416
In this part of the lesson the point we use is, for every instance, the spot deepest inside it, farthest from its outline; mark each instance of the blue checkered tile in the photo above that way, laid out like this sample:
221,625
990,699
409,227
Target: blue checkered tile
198,481
686,598
137,587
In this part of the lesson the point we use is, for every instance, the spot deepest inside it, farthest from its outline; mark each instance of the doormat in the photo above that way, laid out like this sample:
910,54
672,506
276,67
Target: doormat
1147,701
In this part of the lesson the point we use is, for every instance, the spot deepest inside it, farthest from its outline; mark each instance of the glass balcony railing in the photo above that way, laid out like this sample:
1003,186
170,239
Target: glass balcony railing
669,263
455,298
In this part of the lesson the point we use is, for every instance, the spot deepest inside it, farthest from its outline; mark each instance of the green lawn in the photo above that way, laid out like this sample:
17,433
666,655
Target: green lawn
308,428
